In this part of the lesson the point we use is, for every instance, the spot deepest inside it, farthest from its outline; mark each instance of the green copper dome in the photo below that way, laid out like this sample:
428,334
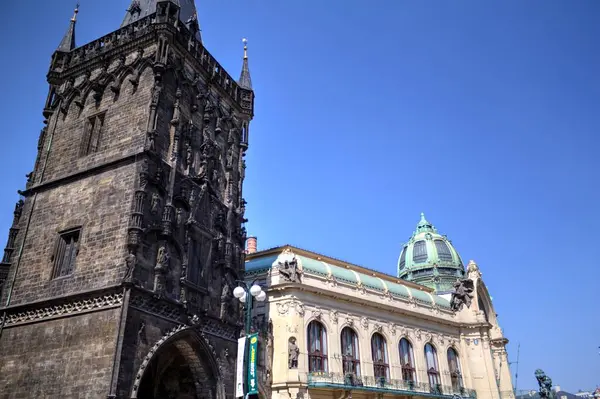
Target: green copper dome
430,259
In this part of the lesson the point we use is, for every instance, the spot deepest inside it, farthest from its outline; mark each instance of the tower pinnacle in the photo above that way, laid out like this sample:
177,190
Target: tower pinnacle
245,81
142,8
68,41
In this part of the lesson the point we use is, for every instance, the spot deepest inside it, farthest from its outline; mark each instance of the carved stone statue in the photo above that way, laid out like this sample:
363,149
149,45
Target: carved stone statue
293,352
462,294
130,261
473,270
154,204
289,270
162,259
545,384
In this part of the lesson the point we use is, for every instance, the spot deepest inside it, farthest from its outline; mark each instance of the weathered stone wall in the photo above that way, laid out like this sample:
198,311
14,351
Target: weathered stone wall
100,204
62,358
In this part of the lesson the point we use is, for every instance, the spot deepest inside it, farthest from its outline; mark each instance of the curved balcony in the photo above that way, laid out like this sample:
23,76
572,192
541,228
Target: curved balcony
384,385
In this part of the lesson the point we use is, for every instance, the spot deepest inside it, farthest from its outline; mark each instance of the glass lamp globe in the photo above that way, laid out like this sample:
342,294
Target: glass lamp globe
243,297
255,290
261,296
238,292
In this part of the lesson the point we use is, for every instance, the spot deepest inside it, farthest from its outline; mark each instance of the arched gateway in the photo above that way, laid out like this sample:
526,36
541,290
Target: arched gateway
180,366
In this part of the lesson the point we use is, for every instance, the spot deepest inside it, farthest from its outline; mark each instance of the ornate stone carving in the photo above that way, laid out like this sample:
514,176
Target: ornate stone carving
364,322
473,272
317,313
393,328
349,321
428,337
462,294
155,306
333,315
77,305
377,327
418,334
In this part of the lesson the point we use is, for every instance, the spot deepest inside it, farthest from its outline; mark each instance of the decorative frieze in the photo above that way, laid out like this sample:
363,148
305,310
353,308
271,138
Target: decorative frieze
72,306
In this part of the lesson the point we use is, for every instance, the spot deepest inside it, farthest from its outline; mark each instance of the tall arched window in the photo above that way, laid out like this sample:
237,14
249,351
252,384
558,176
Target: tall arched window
407,360
317,347
380,356
454,366
433,371
350,354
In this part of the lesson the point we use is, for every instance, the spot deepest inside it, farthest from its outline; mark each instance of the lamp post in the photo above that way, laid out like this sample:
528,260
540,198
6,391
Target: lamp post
246,293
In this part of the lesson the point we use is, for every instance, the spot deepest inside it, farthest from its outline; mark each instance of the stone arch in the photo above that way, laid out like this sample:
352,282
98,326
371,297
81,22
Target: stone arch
181,364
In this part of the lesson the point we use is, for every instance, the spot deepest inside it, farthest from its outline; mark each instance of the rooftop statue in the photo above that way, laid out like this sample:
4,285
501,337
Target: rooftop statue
462,294
545,384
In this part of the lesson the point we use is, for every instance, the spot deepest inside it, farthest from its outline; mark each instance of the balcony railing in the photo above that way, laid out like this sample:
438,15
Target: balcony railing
385,385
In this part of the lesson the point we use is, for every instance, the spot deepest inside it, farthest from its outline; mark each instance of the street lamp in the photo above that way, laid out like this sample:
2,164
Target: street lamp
246,293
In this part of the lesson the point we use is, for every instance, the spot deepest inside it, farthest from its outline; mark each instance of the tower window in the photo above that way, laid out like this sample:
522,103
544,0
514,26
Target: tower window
443,251
420,252
92,134
65,253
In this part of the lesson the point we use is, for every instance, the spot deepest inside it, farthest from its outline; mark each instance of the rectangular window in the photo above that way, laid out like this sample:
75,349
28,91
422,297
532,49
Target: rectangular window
92,135
65,253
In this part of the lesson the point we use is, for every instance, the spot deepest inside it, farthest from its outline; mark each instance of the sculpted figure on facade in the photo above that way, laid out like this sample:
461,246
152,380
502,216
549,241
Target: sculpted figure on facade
462,294
293,352
290,271
545,384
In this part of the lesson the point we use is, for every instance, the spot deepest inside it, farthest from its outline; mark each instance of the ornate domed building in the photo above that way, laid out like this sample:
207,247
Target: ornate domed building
330,329
430,259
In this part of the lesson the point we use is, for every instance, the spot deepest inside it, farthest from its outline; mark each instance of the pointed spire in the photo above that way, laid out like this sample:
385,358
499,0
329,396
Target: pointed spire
142,8
245,81
424,225
68,41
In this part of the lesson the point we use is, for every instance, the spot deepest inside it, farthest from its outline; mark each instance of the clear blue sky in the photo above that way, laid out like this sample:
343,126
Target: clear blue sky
485,115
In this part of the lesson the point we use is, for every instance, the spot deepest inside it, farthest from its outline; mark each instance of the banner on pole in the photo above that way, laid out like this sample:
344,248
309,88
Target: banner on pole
252,357
239,376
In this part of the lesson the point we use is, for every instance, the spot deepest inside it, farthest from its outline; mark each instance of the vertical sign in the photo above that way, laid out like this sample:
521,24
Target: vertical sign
252,356
239,376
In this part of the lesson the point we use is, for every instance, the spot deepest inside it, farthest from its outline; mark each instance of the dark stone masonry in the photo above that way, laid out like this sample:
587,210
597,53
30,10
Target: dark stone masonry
118,272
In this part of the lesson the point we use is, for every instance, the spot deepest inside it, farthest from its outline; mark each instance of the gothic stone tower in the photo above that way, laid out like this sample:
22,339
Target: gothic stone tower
118,272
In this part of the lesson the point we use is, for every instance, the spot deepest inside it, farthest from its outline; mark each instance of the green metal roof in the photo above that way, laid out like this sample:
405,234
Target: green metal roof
313,265
348,276
262,263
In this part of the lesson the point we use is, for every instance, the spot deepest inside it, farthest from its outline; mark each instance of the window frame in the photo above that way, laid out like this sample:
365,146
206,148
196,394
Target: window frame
433,371
350,363
410,368
67,248
454,368
316,357
381,366
93,133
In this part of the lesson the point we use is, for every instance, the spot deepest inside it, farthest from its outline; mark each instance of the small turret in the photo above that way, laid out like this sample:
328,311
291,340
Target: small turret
245,81
68,41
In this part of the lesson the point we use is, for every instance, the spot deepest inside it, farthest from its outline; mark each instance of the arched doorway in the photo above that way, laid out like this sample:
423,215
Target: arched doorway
181,368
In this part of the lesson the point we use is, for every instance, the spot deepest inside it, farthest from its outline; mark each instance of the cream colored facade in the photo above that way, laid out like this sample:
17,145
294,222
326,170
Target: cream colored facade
338,295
